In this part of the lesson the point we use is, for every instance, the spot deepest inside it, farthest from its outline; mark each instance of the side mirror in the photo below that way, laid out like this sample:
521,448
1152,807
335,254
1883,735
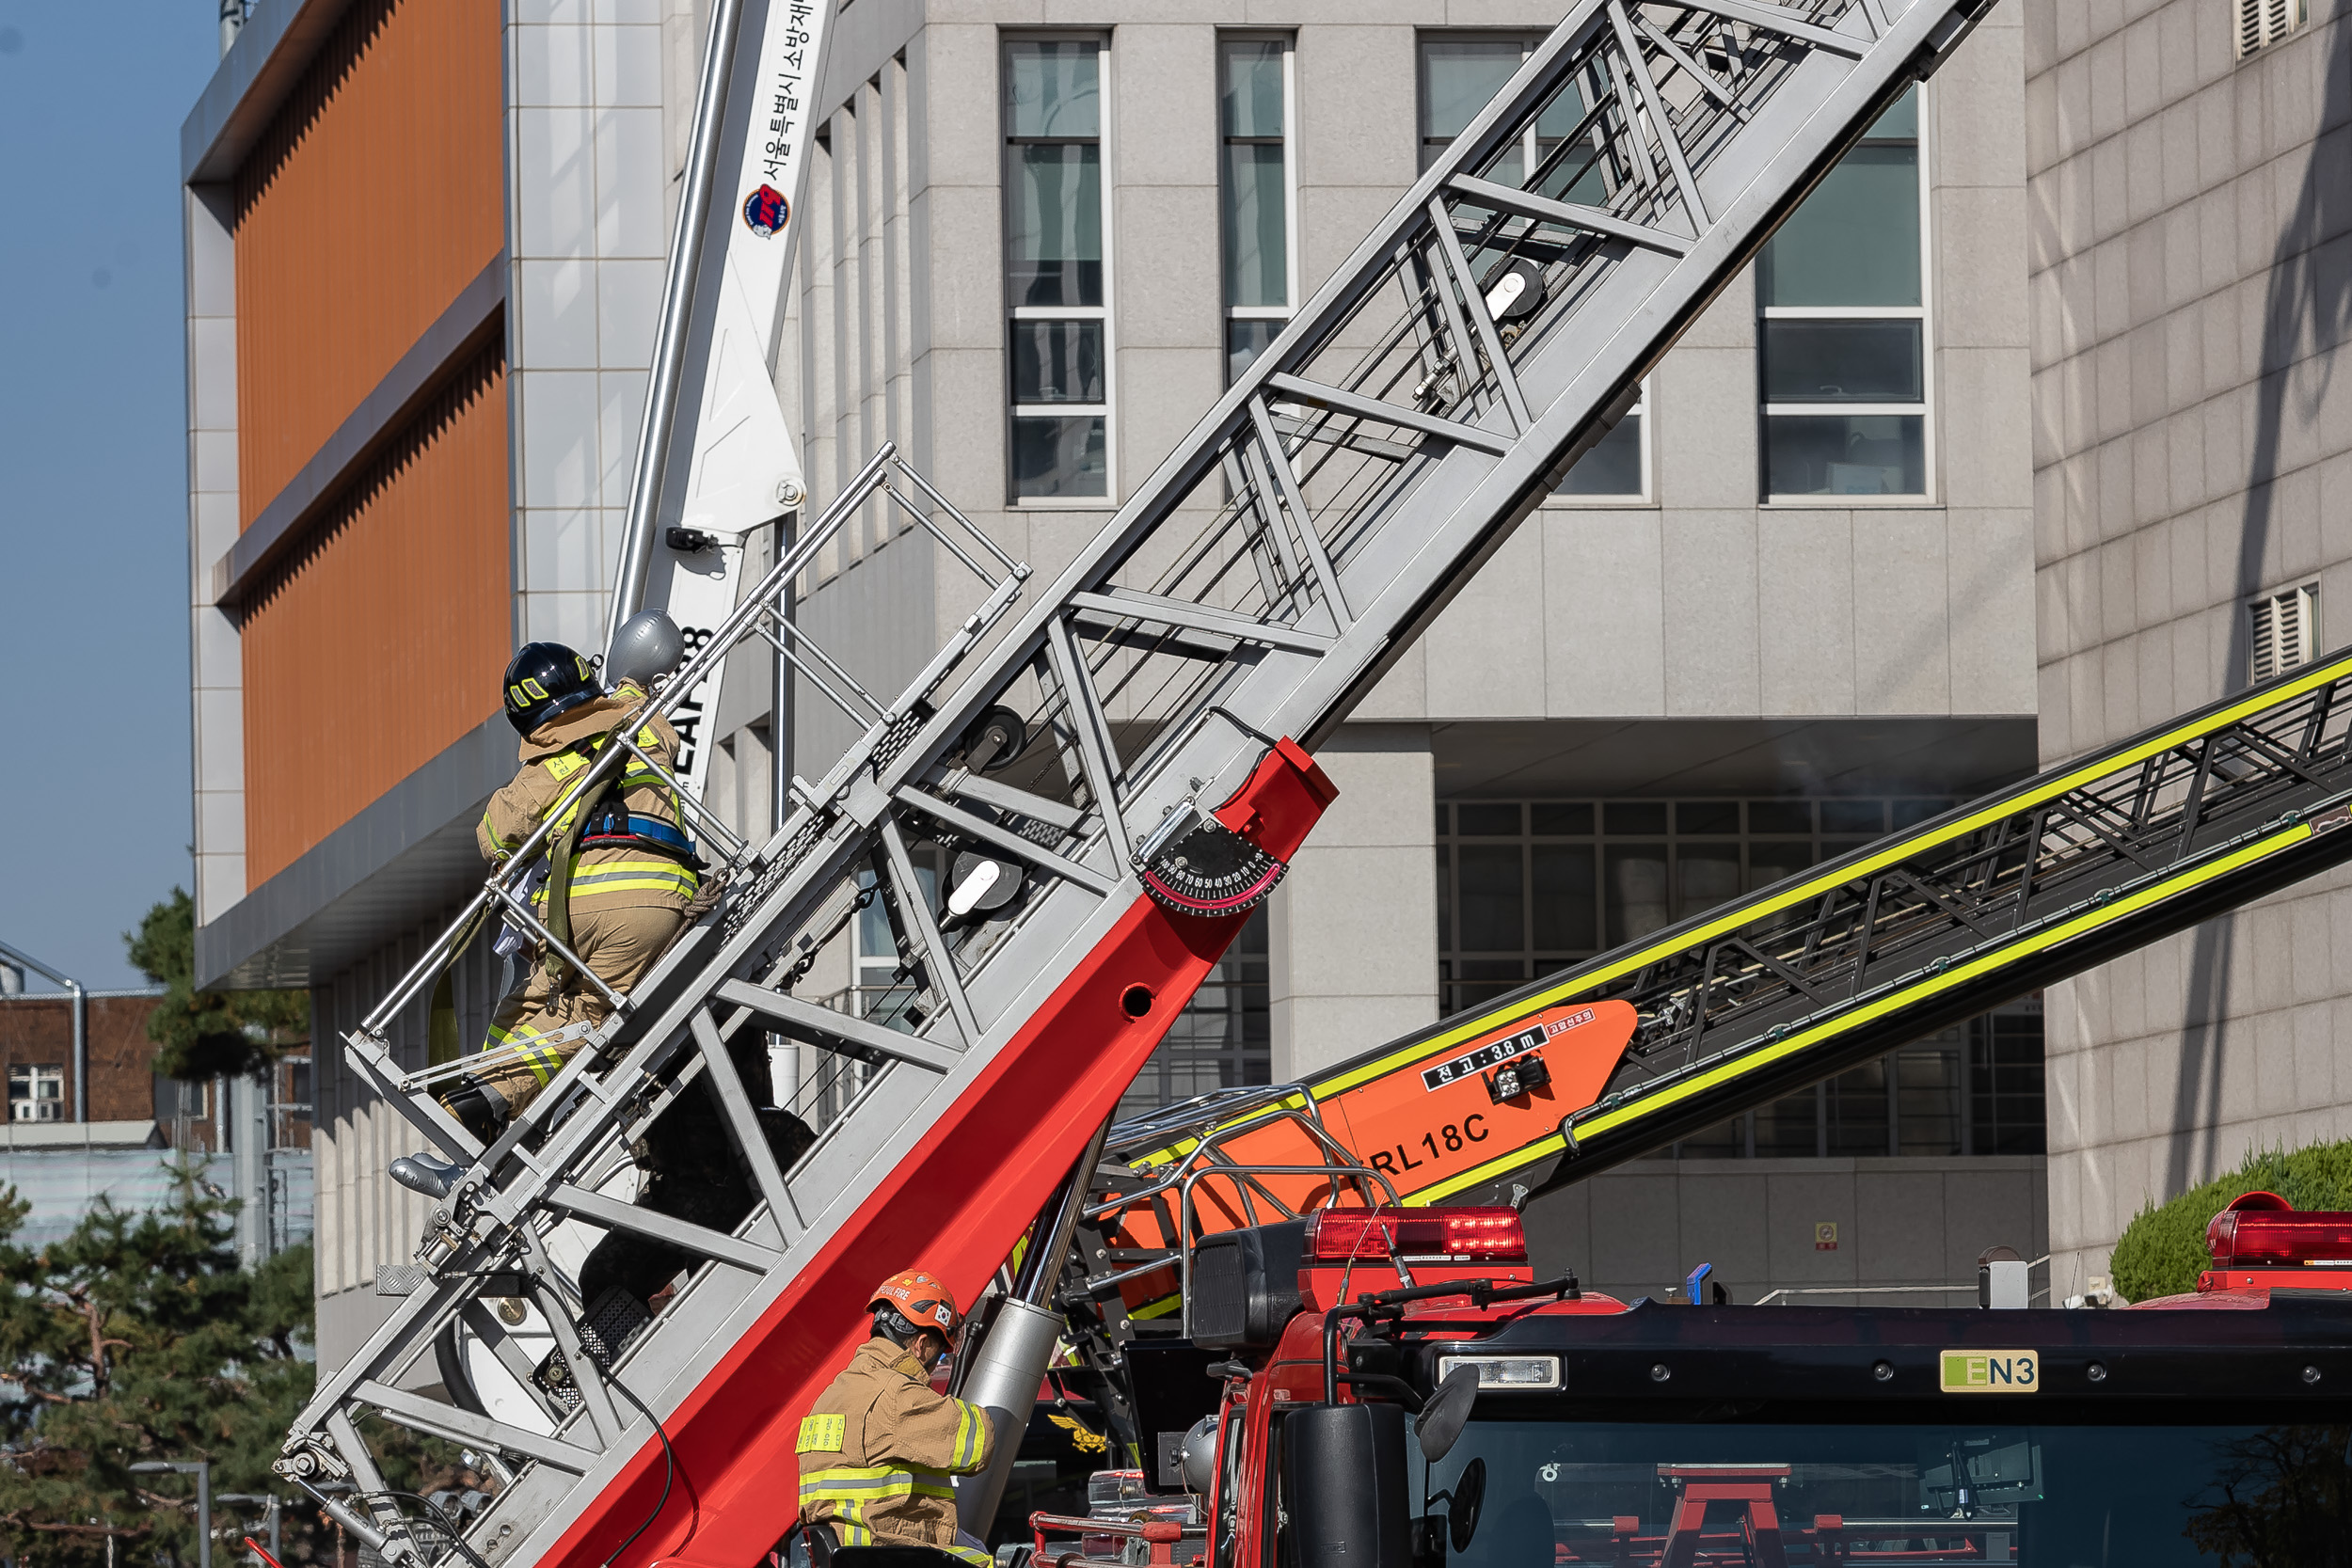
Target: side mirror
1432,1532
1468,1494
1343,1484
1440,1422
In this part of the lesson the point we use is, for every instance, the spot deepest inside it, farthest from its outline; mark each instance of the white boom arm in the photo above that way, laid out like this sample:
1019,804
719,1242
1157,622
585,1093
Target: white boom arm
715,460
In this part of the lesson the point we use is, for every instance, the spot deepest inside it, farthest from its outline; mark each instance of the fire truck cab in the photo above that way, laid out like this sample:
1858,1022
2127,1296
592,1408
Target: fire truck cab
1399,1391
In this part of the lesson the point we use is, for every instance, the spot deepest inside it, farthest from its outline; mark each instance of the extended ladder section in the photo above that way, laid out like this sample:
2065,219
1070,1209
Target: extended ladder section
1099,766
1617,1057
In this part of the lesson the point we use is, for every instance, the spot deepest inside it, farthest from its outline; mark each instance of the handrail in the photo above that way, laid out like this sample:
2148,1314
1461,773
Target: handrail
1771,1296
1184,1209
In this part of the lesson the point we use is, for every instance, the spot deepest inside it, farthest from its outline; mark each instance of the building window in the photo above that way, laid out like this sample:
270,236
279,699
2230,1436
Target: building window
177,1101
1458,76
36,1094
1526,888
882,989
2005,1107
1056,272
1843,287
2285,631
1256,177
1618,467
1223,1038
2259,23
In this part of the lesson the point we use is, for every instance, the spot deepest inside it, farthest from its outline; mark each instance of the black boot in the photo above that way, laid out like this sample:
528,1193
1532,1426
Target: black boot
480,1110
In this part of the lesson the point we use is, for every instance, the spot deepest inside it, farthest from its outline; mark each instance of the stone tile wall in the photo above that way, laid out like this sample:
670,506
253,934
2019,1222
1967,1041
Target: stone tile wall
2190,279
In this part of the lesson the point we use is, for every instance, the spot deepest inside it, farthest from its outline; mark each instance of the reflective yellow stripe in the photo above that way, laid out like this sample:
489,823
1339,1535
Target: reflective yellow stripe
2277,695
863,1483
1908,996
971,1427
823,1433
634,876
970,1555
855,1480
1757,908
604,871
847,1514
543,1062
563,765
1903,849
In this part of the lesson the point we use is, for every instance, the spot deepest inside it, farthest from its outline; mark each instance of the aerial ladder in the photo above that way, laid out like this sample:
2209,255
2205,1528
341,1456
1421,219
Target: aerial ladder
1619,1056
1114,764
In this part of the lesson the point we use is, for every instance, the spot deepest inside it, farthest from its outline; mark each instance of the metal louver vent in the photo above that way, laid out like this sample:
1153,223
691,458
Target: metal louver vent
2258,24
2285,630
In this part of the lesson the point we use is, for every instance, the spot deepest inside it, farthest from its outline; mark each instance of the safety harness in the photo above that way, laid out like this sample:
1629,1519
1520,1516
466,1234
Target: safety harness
595,812
612,825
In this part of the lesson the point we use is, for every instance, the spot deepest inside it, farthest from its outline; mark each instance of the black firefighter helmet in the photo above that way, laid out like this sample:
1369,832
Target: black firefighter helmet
545,679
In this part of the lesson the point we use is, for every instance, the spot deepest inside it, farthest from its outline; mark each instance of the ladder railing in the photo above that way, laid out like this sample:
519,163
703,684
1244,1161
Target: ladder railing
2203,813
1762,996
1485,334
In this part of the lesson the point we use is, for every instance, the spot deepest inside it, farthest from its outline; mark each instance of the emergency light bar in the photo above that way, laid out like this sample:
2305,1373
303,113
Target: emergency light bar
2262,1230
1441,1235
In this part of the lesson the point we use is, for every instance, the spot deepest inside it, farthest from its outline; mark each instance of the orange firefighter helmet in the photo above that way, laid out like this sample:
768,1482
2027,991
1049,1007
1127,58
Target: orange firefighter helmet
922,1300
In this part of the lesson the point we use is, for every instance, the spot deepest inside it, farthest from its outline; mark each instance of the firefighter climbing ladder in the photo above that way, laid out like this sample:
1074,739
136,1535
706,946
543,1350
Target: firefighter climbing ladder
1091,738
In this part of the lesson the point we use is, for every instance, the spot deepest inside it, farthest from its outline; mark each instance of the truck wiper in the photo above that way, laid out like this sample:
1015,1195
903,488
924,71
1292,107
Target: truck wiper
1481,1291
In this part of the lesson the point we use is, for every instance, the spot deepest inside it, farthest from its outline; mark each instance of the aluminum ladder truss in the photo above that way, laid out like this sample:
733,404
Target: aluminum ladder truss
1977,906
1132,712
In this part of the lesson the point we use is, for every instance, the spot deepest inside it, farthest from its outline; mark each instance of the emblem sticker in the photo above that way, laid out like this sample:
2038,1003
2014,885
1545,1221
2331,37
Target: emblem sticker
1991,1371
766,210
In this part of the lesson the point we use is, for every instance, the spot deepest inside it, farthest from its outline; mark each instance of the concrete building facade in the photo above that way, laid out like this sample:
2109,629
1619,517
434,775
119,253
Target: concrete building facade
407,440
2190,282
1788,606
1041,236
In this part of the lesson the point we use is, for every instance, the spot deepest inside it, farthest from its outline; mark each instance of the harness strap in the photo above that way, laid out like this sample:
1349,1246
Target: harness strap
614,823
560,857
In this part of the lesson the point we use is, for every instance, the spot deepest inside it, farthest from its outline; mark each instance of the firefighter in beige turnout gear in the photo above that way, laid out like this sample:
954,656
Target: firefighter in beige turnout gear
879,1449
622,872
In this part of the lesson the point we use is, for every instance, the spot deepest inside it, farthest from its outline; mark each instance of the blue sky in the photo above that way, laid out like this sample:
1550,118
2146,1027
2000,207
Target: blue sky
93,470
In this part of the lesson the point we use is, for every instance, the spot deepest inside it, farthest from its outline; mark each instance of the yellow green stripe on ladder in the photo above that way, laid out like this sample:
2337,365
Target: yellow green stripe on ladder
1907,996
1754,910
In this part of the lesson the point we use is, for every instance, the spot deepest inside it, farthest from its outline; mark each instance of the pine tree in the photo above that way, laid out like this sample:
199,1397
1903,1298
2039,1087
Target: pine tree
139,1338
204,1033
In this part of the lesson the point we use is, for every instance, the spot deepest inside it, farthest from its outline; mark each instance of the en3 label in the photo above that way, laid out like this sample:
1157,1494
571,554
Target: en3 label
1992,1372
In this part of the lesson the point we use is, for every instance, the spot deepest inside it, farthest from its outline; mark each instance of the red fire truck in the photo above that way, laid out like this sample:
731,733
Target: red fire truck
1395,1390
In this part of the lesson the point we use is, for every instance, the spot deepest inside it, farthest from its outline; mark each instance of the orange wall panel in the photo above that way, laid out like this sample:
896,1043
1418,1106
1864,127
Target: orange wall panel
380,642
376,193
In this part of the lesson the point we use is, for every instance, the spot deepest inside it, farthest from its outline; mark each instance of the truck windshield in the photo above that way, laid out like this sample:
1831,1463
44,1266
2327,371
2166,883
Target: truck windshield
1639,1495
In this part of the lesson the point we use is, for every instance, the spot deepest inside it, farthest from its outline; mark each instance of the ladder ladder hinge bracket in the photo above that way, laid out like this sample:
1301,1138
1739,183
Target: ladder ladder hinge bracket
866,803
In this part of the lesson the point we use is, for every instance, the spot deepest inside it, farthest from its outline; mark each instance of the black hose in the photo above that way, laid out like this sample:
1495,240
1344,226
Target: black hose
449,1527
669,1457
